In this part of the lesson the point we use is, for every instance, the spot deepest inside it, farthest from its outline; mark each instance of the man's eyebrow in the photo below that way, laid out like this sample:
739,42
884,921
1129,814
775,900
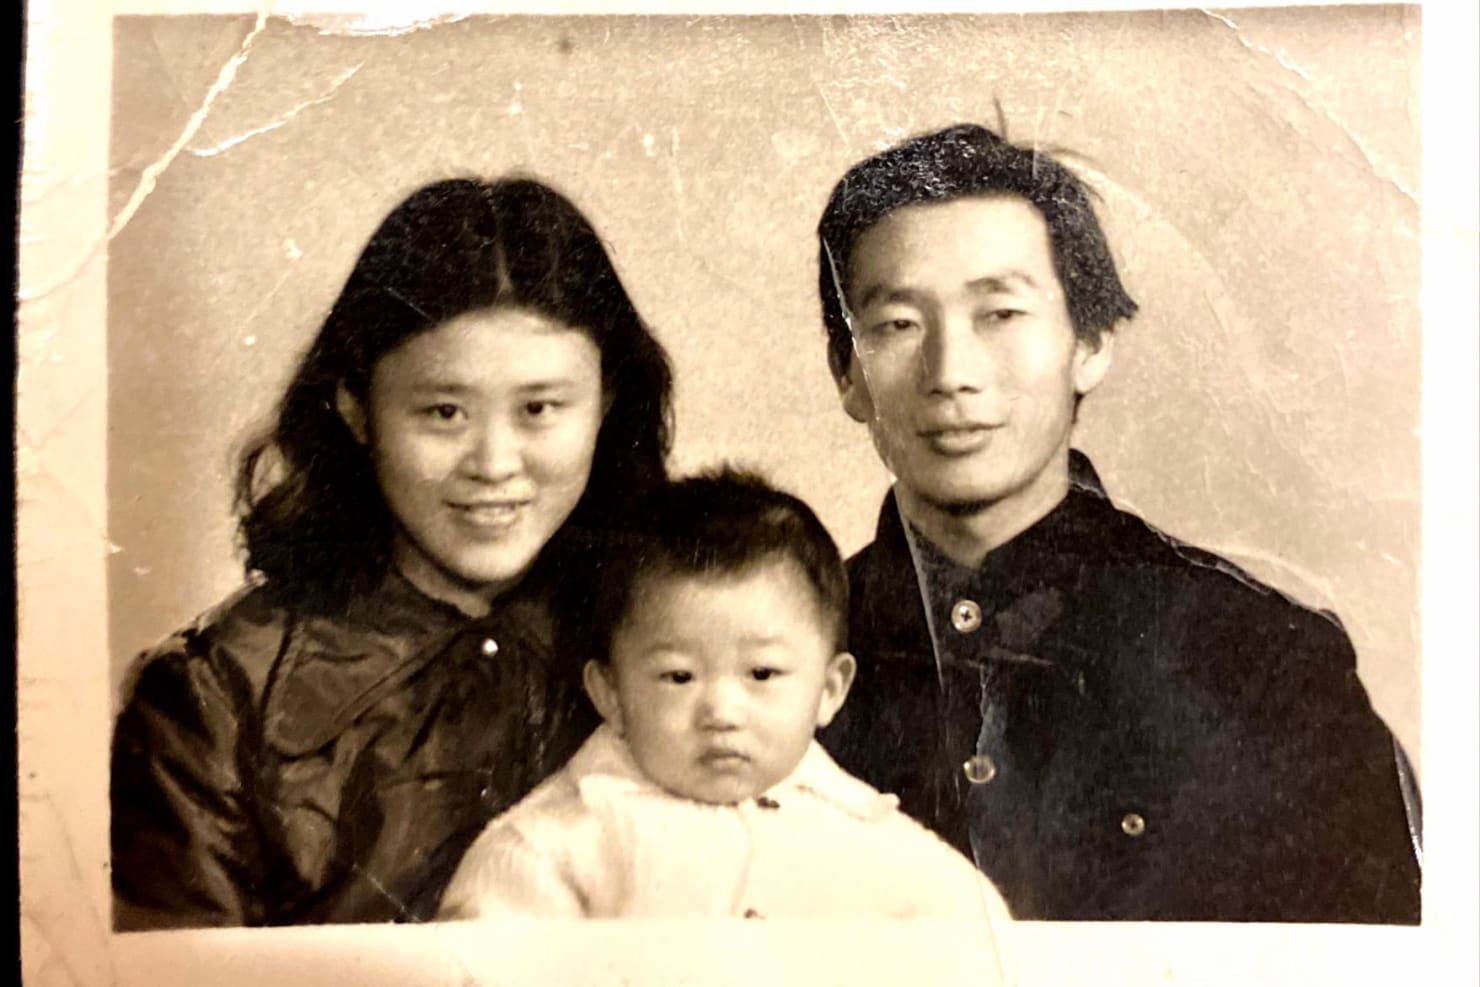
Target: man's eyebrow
875,292
1005,281
987,283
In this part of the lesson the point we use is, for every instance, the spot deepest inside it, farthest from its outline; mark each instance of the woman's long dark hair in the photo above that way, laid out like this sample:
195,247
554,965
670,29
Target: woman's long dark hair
313,520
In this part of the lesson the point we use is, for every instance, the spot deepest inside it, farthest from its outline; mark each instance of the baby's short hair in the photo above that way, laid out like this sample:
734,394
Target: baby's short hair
720,523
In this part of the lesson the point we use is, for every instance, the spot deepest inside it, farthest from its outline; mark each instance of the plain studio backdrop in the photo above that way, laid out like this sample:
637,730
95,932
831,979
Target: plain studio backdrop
1259,181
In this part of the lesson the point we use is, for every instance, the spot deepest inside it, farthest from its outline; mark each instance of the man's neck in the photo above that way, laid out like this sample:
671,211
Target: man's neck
968,539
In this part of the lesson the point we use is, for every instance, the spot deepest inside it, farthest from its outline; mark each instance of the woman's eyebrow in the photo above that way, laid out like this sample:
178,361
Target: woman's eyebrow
547,384
439,385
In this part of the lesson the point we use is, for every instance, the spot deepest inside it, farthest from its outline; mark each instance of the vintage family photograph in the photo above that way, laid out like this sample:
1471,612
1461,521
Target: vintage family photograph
957,474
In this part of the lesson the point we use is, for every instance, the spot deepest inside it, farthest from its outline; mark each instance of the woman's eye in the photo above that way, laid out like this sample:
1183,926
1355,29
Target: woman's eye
442,412
677,678
1003,314
540,409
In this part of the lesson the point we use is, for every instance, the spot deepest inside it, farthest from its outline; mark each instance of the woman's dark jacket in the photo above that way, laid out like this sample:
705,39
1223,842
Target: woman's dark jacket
1117,726
274,767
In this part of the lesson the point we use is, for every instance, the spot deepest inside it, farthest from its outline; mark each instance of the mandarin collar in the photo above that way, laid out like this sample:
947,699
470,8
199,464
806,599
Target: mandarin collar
334,667
1049,552
1042,552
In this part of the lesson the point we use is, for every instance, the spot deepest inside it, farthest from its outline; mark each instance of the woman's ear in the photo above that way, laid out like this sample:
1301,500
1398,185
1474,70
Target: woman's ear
351,412
597,678
836,681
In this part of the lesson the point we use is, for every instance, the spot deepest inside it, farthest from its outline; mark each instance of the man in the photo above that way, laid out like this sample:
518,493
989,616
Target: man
1114,725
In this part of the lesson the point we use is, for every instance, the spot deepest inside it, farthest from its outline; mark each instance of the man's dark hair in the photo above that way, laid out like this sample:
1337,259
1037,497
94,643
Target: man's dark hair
721,523
961,161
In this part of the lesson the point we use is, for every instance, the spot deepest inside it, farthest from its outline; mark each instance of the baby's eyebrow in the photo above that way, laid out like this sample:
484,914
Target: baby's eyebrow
656,652
763,641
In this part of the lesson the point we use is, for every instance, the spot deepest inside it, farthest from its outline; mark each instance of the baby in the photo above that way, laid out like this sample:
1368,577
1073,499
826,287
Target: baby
704,793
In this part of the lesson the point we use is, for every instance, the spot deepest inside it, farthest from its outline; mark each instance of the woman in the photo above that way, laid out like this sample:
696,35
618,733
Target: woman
479,410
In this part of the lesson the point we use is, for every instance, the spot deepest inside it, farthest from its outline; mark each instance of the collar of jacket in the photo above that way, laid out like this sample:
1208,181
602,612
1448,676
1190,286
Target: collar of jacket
891,590
603,769
333,668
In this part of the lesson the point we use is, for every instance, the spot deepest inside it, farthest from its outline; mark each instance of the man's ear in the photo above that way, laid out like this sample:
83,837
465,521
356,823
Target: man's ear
597,678
1092,361
853,389
841,670
351,412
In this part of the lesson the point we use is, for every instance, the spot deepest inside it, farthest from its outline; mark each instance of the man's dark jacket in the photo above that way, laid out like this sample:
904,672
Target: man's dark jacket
1115,725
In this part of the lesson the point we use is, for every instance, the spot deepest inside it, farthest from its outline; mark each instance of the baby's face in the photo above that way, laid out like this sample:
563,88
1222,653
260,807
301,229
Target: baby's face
718,683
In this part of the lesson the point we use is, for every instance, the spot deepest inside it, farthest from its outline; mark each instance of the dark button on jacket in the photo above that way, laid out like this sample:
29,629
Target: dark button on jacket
273,767
1168,738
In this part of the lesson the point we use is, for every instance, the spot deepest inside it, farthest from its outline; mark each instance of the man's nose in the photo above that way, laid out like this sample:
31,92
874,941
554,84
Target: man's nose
953,356
496,451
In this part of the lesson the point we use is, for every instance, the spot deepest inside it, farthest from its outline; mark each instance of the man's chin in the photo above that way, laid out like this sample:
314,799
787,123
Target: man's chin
964,508
957,502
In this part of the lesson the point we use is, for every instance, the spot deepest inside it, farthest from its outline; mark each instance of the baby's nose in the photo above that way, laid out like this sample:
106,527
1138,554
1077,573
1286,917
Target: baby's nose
722,707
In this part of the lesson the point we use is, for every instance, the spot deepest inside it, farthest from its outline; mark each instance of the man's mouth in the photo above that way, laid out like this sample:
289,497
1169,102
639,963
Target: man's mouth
957,440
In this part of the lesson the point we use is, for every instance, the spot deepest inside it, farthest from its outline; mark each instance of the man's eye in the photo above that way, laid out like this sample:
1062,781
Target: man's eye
677,678
1003,314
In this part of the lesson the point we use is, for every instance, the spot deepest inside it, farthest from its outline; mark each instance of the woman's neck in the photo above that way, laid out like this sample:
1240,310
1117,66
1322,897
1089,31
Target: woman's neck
474,600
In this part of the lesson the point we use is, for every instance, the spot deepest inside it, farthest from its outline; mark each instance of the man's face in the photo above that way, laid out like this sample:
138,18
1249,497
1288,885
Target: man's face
965,364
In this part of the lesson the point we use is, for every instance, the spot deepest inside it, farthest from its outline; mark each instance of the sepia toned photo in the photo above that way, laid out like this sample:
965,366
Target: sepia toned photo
954,483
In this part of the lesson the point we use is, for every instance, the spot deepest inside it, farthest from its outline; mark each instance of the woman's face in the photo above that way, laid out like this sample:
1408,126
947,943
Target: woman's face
481,431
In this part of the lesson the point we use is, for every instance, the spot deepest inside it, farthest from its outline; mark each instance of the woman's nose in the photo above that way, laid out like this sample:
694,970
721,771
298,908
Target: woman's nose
495,453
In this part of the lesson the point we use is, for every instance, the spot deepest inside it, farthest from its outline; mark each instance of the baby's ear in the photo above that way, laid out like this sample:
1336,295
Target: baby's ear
597,677
351,412
841,668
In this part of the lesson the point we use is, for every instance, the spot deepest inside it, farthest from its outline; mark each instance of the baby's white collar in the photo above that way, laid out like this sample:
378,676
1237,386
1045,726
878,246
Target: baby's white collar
604,768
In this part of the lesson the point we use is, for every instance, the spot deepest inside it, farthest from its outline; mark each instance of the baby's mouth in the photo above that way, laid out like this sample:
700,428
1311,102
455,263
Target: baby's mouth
723,759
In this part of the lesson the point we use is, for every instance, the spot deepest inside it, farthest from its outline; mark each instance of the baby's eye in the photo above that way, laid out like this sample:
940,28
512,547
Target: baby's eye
764,672
677,678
